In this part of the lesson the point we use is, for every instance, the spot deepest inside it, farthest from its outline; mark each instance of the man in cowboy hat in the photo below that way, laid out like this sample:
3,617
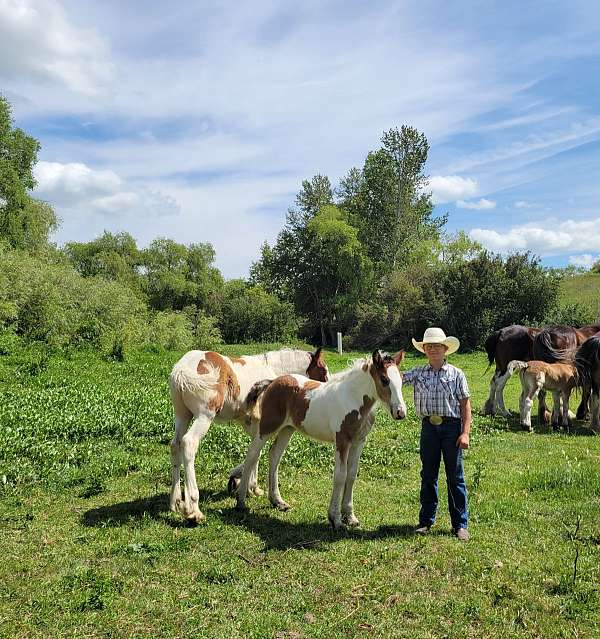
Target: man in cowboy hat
442,402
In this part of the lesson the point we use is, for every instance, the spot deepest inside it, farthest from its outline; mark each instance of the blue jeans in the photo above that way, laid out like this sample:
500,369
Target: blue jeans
438,441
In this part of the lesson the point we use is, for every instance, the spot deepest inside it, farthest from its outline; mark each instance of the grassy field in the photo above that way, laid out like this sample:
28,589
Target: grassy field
90,548
582,289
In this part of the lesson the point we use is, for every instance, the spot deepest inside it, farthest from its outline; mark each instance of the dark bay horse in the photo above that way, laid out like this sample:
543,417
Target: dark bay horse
587,362
503,346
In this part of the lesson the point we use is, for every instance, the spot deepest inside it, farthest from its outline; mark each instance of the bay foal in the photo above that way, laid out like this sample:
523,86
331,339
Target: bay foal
340,411
207,386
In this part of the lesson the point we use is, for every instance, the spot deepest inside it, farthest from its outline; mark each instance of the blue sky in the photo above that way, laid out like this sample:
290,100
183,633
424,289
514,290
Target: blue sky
199,120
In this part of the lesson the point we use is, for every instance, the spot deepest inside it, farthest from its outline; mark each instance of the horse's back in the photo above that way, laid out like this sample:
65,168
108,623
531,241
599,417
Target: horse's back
513,342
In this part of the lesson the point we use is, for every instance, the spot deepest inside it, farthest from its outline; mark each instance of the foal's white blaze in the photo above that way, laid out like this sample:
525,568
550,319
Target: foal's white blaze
397,405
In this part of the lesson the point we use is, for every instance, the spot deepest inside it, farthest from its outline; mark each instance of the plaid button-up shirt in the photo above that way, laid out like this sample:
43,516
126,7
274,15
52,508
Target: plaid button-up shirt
437,392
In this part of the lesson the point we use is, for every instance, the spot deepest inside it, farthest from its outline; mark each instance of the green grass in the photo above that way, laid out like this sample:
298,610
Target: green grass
582,289
91,550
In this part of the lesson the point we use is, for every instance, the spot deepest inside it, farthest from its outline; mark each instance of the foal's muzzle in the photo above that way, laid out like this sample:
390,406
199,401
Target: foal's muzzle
398,413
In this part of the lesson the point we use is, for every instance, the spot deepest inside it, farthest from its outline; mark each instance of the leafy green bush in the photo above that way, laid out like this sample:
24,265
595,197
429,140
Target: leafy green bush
571,314
170,330
250,314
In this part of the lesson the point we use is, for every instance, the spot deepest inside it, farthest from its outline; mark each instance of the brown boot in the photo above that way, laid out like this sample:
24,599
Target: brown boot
463,534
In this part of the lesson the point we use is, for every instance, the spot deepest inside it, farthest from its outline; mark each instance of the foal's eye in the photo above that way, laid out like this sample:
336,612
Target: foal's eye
385,380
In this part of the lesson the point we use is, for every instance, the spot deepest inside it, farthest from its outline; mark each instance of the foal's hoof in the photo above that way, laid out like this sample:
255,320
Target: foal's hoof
337,525
281,505
351,521
232,484
176,506
195,518
255,491
241,507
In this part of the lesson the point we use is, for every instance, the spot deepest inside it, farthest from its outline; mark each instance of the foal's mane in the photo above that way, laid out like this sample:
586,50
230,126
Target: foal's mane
354,365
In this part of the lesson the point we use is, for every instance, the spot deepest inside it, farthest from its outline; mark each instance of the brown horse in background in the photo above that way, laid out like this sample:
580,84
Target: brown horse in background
587,361
503,346
559,344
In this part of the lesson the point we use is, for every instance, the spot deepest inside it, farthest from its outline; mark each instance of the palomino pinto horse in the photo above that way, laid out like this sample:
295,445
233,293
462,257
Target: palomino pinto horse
559,344
587,361
206,386
339,411
509,343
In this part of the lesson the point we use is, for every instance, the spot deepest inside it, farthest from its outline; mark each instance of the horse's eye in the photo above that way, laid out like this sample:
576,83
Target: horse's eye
385,380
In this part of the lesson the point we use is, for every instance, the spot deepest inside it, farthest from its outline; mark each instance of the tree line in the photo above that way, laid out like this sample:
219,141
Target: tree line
366,257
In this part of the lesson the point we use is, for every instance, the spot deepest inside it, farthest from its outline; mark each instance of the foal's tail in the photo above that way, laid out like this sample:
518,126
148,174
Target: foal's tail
254,394
515,365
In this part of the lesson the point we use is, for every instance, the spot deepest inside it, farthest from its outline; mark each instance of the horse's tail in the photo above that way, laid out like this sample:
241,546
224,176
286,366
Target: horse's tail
254,394
587,360
545,351
490,348
186,379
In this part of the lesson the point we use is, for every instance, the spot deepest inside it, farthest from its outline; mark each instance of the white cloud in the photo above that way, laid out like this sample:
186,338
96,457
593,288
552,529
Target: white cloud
77,187
74,182
480,205
586,260
556,238
522,204
449,188
37,41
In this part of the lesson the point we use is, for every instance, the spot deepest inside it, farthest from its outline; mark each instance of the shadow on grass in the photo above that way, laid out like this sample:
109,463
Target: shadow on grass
279,534
578,428
154,507
275,532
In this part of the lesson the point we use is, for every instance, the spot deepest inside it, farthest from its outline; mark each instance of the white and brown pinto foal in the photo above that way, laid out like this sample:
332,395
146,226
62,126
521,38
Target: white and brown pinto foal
340,411
559,378
207,386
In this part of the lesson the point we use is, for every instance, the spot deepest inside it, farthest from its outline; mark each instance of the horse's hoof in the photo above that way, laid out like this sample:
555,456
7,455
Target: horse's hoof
195,518
352,521
232,485
283,506
241,507
337,524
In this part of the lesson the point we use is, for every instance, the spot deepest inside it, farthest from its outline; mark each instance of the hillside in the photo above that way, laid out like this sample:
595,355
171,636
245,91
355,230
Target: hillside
583,289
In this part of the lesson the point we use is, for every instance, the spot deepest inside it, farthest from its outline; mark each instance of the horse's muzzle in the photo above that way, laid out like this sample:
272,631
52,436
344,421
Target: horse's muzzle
398,413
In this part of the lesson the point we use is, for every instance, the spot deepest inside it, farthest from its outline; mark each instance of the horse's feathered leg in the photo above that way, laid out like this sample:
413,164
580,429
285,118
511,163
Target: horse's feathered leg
348,515
252,458
189,445
500,384
595,411
490,404
275,455
182,419
340,474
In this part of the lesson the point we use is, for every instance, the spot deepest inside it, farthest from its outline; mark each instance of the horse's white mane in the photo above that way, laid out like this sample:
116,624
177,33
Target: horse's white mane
354,365
287,358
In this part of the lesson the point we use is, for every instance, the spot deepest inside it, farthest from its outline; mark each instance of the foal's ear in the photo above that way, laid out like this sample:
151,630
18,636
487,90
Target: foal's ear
398,357
317,356
377,359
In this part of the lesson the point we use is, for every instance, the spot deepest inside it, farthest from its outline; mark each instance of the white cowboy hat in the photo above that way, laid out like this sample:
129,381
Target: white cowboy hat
435,335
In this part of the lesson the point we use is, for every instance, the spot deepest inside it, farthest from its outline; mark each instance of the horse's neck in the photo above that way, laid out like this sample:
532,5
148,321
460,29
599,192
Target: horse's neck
356,382
285,362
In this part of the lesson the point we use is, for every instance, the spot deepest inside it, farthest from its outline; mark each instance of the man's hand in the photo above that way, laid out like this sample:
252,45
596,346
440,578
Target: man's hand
463,441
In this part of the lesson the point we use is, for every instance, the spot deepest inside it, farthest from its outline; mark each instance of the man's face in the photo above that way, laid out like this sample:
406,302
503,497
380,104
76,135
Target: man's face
435,352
